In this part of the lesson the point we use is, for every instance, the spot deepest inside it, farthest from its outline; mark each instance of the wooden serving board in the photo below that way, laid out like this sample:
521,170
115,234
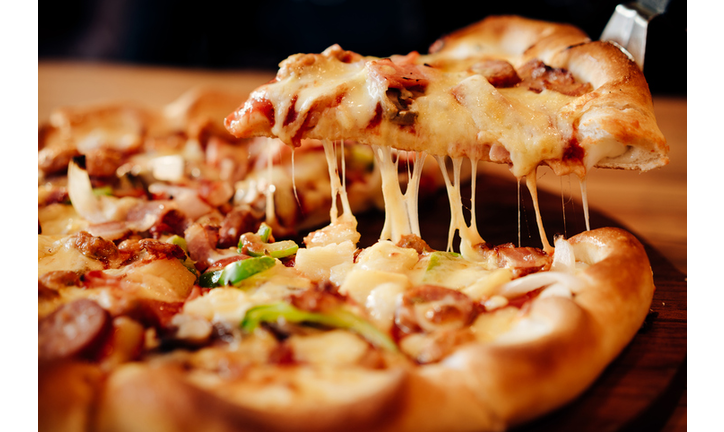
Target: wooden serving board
640,389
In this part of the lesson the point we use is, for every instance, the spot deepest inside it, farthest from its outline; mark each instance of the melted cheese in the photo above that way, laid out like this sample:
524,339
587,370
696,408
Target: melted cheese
530,181
401,211
60,219
468,234
56,254
338,189
584,200
459,114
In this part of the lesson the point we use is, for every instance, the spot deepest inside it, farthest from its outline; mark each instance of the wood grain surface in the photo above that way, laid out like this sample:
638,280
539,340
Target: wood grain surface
645,388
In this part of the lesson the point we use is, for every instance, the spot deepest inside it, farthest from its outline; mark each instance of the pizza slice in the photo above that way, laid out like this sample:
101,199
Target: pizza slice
507,89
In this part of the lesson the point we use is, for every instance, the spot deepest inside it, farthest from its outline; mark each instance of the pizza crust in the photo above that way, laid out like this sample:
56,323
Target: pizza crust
480,387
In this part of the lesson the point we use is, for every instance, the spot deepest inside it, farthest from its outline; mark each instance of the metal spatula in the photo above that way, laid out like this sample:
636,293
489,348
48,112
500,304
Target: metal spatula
628,26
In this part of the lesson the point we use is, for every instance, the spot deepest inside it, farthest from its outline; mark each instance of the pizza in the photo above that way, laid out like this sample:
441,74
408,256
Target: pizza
200,270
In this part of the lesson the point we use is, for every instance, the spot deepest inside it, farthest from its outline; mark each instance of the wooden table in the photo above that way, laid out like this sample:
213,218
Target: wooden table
652,205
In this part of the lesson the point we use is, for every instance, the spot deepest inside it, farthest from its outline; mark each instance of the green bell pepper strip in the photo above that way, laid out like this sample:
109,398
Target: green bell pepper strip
178,241
338,318
188,262
279,249
210,279
236,272
264,232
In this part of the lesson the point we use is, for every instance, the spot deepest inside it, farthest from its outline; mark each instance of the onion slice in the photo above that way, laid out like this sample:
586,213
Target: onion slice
520,286
80,191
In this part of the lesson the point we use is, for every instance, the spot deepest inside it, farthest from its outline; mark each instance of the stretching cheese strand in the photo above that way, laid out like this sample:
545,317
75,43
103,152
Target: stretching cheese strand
530,181
469,235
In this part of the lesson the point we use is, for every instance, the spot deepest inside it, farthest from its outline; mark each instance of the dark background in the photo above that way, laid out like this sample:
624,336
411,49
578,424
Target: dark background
218,34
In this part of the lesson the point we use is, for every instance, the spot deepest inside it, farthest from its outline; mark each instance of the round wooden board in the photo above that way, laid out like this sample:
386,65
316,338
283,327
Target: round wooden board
640,389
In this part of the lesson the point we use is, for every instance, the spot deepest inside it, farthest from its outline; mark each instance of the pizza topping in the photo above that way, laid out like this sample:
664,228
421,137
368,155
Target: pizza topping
538,76
254,245
429,308
201,241
241,219
95,247
236,272
499,73
85,202
335,318
76,328
521,260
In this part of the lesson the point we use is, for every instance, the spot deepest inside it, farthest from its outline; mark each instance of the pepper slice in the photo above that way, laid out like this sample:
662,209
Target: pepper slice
188,262
264,232
279,249
236,272
338,318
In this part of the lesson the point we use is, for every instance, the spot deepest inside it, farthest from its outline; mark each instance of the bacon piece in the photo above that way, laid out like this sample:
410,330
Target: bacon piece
170,222
240,220
499,73
150,250
201,241
431,307
521,260
95,247
538,76
74,329
215,193
146,214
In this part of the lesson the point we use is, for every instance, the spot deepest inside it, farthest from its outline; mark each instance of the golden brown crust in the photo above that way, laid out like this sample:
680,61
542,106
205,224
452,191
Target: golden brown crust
306,399
515,37
556,352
